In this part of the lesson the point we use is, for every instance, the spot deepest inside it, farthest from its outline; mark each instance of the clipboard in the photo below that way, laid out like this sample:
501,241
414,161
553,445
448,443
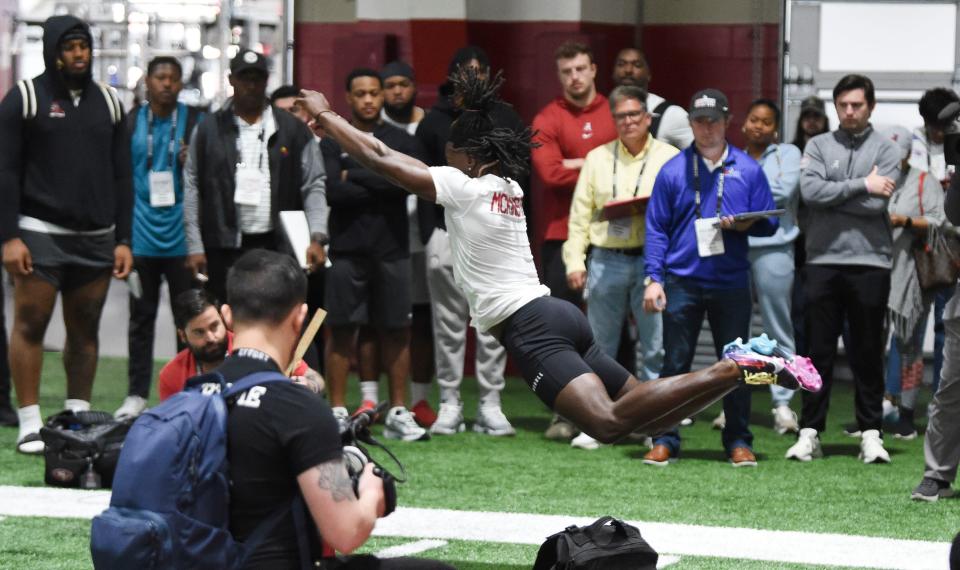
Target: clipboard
757,215
624,208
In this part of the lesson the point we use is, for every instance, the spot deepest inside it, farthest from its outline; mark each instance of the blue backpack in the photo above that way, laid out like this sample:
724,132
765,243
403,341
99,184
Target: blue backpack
170,506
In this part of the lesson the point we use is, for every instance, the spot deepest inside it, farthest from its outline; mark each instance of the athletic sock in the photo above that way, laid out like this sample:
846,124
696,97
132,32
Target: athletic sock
76,405
489,398
419,391
450,395
30,420
370,390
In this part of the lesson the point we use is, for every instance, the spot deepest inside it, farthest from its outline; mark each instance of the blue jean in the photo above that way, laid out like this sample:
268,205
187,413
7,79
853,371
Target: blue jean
728,311
772,270
614,285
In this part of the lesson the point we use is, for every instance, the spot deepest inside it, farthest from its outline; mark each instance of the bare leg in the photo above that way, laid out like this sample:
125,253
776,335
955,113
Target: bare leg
421,345
338,353
653,405
33,300
82,308
368,355
395,350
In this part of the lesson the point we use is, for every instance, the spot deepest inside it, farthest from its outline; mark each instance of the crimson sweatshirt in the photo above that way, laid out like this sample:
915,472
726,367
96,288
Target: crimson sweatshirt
566,131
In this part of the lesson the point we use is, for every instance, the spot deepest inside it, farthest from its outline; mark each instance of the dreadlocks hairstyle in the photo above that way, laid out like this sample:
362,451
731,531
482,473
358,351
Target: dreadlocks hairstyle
476,132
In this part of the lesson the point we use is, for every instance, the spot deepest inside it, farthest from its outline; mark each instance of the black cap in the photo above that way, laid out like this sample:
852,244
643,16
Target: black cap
709,103
814,105
395,68
78,32
248,59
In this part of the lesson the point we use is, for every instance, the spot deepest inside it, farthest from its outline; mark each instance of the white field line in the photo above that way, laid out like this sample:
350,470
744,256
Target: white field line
519,528
410,548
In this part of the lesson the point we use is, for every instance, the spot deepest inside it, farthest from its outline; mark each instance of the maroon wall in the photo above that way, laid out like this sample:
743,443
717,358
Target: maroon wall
688,57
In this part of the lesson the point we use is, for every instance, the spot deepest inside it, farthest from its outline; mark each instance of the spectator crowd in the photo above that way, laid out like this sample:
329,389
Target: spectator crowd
635,197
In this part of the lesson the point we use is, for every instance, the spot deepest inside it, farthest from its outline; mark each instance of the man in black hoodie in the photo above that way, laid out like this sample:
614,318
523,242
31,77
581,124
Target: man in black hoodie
447,301
65,208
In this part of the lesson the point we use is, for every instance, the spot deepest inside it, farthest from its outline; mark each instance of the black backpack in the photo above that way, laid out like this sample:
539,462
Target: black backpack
608,544
81,448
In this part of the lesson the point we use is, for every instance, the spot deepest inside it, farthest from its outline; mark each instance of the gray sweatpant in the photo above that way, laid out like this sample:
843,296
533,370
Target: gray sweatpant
941,446
450,317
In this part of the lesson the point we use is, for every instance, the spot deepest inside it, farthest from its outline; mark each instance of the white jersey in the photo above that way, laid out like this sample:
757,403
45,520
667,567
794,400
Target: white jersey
492,263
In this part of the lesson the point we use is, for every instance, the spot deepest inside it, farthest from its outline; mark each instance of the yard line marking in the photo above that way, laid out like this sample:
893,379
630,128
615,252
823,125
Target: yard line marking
519,528
410,548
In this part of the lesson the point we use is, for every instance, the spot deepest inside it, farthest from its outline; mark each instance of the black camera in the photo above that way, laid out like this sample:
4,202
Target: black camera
354,433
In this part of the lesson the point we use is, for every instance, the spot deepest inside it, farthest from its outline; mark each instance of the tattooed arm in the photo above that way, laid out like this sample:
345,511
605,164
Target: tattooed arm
344,520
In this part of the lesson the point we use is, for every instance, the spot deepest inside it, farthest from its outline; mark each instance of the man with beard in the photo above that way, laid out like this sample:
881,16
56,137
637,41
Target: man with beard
248,162
200,327
400,97
670,122
65,204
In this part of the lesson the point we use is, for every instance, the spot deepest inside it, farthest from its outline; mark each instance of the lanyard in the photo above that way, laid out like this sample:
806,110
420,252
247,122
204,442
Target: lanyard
173,137
696,184
260,135
616,159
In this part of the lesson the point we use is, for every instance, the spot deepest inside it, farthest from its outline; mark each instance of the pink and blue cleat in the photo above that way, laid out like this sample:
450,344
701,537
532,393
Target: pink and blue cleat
763,361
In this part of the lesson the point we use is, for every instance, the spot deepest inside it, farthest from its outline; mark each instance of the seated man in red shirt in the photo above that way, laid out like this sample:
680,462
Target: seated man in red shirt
200,327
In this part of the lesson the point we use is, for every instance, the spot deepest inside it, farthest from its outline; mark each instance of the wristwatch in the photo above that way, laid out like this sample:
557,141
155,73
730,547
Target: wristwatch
647,281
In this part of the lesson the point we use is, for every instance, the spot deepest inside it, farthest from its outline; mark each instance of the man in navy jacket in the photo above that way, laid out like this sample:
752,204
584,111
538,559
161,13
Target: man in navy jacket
696,259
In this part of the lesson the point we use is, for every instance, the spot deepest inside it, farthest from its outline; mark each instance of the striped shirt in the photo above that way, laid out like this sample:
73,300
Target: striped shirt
252,151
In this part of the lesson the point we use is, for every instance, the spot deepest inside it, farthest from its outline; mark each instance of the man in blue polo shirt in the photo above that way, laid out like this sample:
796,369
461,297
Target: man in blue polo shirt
159,130
696,259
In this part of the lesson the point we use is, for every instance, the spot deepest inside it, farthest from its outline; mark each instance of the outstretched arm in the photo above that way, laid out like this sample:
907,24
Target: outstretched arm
402,170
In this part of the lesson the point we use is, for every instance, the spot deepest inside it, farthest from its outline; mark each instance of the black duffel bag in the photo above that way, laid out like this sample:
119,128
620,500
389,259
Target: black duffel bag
82,448
608,544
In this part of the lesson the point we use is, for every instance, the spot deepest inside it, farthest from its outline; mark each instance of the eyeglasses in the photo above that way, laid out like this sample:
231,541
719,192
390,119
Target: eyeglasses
627,116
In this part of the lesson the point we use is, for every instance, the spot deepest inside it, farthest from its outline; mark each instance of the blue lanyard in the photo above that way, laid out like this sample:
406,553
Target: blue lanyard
696,184
171,145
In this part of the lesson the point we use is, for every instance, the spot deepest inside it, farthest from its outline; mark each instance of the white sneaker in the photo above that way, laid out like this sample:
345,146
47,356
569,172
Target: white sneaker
491,421
131,407
807,447
784,420
584,441
720,421
449,419
871,448
401,425
891,414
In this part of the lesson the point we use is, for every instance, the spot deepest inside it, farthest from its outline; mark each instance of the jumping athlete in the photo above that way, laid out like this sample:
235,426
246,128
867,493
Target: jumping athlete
549,339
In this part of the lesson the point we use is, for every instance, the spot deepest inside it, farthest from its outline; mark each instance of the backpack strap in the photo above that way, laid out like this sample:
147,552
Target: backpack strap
657,115
29,96
252,380
113,102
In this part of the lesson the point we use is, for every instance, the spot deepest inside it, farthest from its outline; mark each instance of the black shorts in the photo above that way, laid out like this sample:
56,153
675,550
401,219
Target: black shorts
70,261
368,291
551,342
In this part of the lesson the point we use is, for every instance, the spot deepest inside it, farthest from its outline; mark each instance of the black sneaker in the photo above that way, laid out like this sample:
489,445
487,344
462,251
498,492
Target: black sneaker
905,428
931,489
8,417
852,429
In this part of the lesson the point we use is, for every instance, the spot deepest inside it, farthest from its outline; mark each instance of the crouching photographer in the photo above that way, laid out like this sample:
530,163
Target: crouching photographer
283,440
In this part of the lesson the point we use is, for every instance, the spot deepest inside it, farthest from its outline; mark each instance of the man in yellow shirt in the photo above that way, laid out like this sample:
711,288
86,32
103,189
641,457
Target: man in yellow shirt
624,169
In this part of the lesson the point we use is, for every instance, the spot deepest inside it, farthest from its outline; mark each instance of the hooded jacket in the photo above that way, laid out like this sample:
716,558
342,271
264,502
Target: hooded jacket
70,164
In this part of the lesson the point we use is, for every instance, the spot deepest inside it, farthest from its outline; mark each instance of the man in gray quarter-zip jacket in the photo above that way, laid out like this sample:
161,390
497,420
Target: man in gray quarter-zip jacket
846,179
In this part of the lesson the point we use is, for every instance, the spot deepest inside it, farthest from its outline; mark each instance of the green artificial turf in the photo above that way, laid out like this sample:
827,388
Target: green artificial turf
528,474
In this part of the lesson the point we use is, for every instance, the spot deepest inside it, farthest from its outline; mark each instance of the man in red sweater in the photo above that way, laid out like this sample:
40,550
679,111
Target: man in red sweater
567,129
208,341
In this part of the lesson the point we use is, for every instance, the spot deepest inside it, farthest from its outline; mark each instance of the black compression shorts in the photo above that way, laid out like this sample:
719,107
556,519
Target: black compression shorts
551,342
